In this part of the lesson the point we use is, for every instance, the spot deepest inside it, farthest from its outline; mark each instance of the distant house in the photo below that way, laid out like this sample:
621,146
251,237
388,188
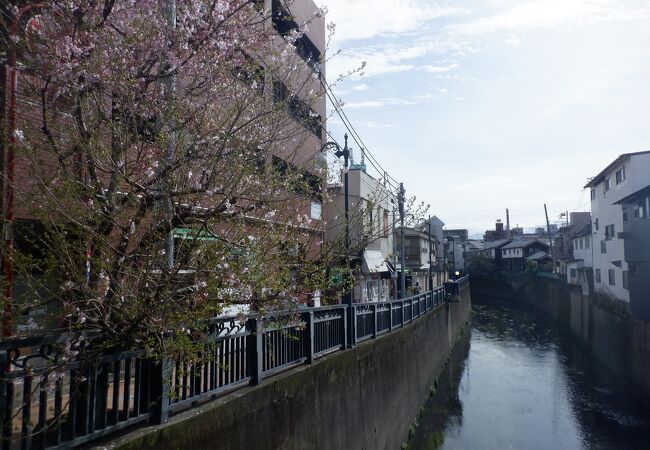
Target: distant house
621,183
579,268
515,254
416,257
492,250
563,240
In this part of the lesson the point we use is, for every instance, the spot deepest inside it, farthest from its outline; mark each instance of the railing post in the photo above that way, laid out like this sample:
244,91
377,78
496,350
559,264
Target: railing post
374,308
345,327
390,317
402,304
310,348
255,350
161,375
353,324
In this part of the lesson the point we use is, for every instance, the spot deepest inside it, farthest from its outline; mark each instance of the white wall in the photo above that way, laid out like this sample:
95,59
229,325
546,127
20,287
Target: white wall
603,210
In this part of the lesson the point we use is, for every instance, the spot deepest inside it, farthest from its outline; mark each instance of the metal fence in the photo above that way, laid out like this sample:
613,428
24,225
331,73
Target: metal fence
41,409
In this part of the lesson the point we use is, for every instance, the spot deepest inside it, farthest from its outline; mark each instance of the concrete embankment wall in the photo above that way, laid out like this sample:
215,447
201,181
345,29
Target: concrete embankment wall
617,342
362,398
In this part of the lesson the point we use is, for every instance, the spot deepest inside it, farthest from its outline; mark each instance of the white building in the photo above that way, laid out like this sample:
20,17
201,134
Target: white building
371,222
627,174
579,268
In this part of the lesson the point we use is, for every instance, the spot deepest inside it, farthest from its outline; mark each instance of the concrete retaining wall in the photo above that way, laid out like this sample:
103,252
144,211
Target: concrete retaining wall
363,398
617,342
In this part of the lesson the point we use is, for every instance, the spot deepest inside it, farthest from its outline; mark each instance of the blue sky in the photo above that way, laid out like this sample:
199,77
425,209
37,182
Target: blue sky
482,105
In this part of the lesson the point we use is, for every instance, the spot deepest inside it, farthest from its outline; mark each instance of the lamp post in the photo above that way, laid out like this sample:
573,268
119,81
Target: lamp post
345,154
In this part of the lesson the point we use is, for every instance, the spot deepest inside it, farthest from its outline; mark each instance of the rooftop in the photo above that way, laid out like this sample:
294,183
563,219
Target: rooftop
601,176
523,243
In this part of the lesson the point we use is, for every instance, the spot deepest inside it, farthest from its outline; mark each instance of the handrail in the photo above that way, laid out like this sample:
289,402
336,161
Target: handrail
92,399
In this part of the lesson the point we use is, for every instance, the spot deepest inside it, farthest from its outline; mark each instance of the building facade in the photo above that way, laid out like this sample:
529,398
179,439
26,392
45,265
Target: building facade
636,231
371,228
627,174
579,267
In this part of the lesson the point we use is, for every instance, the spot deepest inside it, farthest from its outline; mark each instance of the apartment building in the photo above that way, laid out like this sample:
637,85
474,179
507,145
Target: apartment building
615,185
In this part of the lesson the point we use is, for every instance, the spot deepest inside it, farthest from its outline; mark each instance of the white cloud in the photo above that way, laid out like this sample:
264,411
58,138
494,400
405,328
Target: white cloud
371,124
380,103
439,69
365,19
544,13
394,58
512,40
361,87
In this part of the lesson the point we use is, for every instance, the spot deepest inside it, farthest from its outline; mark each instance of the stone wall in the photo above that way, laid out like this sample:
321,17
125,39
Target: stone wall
617,342
363,398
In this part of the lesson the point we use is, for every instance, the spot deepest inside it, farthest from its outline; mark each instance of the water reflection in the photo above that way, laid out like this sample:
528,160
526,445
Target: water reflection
518,383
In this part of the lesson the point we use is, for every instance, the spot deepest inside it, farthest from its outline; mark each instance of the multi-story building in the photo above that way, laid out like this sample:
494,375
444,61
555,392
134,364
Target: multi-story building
615,184
563,240
579,267
418,251
371,226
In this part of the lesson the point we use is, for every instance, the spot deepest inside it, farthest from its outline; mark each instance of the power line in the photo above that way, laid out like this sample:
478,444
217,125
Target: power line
355,135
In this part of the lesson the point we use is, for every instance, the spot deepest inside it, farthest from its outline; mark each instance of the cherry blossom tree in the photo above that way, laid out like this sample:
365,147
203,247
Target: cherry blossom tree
169,158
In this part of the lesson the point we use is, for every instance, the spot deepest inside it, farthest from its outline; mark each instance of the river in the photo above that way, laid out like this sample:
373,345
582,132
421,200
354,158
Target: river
515,382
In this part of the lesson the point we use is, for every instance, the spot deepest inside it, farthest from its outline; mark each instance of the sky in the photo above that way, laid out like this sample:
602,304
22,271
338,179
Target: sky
479,105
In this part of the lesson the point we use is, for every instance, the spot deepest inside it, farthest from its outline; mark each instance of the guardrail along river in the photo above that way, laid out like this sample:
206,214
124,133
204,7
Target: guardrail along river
517,383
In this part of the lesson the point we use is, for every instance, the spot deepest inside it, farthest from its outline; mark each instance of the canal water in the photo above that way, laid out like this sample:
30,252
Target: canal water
515,382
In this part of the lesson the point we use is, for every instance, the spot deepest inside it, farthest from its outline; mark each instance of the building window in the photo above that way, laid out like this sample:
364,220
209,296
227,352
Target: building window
575,244
580,243
606,185
588,242
639,210
612,277
625,281
624,214
573,273
603,246
596,224
620,175
609,232
386,224
316,210
597,276
593,195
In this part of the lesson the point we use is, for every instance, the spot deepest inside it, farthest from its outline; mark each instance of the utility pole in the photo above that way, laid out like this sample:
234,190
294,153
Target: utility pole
400,200
169,83
550,240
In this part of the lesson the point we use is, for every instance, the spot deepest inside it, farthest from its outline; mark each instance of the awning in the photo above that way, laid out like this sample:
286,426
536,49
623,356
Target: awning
374,262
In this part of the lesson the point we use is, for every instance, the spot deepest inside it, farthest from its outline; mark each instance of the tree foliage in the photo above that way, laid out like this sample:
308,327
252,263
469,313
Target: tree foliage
138,132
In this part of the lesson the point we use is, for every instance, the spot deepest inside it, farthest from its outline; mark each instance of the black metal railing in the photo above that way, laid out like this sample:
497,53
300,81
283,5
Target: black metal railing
44,407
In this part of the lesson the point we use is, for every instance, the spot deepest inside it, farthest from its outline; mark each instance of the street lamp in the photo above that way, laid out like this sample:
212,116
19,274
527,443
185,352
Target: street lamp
345,154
